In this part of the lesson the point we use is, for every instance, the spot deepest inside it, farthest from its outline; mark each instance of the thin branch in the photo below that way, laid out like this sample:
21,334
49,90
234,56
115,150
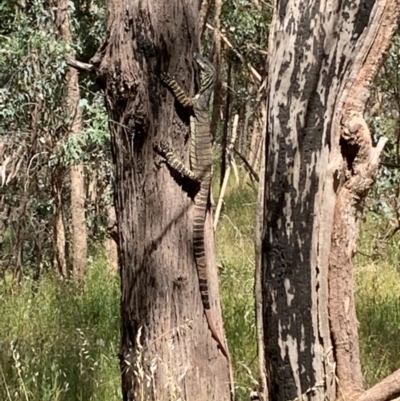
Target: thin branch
253,71
389,165
228,171
247,165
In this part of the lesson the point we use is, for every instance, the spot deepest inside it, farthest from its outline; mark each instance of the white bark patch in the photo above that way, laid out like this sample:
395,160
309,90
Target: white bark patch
288,347
307,186
273,303
347,304
300,244
289,296
302,345
288,214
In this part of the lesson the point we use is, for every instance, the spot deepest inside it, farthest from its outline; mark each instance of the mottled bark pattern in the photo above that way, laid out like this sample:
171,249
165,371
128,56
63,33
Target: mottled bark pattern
167,351
317,51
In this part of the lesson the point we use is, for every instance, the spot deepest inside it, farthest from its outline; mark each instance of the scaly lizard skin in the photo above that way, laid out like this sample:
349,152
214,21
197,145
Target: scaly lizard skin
201,156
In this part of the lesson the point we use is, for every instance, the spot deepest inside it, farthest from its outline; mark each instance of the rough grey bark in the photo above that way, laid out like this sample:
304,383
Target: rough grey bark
320,162
167,351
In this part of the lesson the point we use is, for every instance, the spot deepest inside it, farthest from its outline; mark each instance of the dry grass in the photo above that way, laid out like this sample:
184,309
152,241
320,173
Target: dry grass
61,344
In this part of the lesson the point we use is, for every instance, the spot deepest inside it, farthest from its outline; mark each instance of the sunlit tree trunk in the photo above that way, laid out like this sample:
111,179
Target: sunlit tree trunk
320,163
225,128
78,221
60,258
167,351
259,127
110,242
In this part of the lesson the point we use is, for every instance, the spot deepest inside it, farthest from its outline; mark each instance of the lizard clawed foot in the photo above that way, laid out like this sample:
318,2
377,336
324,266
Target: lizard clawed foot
166,78
162,148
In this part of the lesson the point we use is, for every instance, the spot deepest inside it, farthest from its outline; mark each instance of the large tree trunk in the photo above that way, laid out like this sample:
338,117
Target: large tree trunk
167,351
78,221
320,163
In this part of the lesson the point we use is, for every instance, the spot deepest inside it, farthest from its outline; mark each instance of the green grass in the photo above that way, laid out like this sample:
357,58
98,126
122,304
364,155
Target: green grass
235,251
60,343
378,313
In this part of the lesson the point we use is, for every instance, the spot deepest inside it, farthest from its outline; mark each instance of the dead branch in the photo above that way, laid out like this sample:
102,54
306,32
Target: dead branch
389,165
386,390
247,165
79,65
228,170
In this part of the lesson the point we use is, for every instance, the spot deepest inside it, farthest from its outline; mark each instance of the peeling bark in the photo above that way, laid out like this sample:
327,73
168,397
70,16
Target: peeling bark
320,164
361,163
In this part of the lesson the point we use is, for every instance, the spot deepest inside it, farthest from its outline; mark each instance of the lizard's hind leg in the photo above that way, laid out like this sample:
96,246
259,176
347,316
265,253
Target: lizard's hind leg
171,159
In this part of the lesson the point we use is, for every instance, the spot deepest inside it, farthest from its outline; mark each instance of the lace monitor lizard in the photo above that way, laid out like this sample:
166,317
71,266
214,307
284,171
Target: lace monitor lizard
201,157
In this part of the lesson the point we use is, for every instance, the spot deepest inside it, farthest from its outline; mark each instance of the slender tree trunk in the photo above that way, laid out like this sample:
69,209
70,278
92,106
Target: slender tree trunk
203,15
167,351
216,112
263,125
259,127
242,146
320,163
110,242
224,141
78,221
59,236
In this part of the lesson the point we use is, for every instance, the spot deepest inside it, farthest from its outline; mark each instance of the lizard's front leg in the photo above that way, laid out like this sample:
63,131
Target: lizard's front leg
177,91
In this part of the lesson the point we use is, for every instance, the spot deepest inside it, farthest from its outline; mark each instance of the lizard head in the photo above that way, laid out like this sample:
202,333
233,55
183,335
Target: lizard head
207,73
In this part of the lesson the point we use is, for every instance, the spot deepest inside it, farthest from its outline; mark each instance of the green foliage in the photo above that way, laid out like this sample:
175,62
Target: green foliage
93,145
88,22
32,118
60,342
383,202
248,27
32,65
35,124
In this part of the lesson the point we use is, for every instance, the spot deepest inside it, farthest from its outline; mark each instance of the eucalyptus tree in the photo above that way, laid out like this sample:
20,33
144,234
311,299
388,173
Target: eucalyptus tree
320,162
167,351
36,150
